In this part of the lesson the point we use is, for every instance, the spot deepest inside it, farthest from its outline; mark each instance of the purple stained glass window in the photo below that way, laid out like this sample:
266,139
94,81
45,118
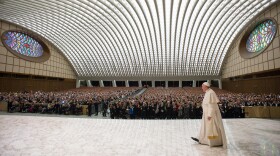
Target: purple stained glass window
261,36
23,44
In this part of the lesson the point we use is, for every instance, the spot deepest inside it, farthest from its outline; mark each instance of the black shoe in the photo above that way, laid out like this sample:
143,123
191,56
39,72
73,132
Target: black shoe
195,139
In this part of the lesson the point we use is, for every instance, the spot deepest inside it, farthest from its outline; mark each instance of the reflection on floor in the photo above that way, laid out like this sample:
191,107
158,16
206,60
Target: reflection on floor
45,135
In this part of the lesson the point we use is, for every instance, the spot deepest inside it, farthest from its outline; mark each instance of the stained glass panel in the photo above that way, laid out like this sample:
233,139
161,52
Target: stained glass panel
23,44
261,36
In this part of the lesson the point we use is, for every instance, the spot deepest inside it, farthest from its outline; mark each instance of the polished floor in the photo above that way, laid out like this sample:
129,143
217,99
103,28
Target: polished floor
53,135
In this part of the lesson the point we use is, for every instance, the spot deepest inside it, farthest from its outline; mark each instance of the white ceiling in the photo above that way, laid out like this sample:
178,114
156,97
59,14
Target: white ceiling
138,39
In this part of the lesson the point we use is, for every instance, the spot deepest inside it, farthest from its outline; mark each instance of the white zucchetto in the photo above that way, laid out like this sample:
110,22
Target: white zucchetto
206,84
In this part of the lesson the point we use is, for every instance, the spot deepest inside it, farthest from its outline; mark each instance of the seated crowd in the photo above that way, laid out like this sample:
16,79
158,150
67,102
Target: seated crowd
121,102
64,102
185,103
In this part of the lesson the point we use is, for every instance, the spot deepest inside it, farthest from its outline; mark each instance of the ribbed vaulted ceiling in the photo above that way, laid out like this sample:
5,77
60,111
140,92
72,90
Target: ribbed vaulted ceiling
137,38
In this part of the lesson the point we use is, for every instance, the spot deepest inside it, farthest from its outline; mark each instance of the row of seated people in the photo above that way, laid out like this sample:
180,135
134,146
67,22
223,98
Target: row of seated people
64,102
177,102
171,103
241,99
66,109
168,112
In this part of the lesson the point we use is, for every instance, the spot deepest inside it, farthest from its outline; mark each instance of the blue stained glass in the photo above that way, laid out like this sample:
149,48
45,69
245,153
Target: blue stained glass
23,44
261,36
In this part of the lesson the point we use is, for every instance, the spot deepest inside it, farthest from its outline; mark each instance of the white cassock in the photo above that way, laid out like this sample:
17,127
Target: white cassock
212,131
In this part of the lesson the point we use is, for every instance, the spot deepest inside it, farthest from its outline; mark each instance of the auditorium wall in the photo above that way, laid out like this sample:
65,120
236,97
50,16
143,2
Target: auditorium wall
255,85
235,67
54,72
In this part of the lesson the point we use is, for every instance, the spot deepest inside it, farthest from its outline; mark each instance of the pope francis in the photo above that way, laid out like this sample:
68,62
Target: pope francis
212,131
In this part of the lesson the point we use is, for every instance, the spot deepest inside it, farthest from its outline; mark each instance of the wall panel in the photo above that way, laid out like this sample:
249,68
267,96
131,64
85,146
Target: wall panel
254,85
27,84
236,68
62,69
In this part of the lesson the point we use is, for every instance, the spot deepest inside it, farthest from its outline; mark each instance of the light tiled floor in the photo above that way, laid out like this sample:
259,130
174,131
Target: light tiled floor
45,135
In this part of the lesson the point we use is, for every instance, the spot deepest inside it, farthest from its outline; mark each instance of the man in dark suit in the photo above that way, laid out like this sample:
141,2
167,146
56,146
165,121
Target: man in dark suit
89,107
96,107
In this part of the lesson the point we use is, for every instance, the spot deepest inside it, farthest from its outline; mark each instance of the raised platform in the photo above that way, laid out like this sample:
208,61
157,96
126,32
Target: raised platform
49,135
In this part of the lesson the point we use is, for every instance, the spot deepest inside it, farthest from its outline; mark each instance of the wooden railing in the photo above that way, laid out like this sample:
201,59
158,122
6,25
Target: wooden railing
262,112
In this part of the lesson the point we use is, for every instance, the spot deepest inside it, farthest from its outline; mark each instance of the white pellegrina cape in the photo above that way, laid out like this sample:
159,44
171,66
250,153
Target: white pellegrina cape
212,131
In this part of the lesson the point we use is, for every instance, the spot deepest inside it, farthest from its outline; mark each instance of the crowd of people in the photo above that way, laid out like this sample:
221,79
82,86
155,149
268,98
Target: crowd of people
64,102
121,102
185,103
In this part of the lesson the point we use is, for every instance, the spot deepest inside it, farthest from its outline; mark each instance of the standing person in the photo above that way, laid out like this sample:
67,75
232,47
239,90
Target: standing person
212,131
89,107
104,107
131,112
96,107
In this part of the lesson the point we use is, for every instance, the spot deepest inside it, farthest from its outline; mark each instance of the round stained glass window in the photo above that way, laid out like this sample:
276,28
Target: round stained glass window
257,38
261,36
24,46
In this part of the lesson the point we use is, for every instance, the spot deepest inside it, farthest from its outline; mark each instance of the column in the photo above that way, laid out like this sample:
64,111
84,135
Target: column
101,84
114,83
140,83
88,83
153,83
166,84
194,83
126,83
180,83
78,83
220,83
